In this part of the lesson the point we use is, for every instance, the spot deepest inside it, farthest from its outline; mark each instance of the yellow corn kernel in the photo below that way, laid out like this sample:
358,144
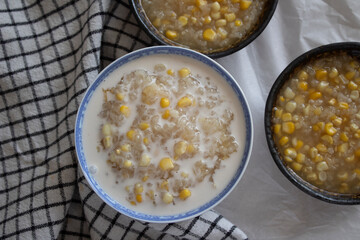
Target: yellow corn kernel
317,111
318,158
180,148
157,22
288,127
184,194
164,185
357,152
343,148
321,74
333,73
215,15
313,152
164,102
107,142
146,141
207,19
230,17
278,112
350,158
224,9
151,194
200,3
298,144
145,178
126,148
144,125
238,23
290,152
215,7
281,98
332,101
145,160
138,198
315,95
133,203
283,140
167,198
190,148
184,102
127,188
130,134
322,166
125,110
343,105
209,34
329,129
321,147
350,75
138,188
118,151
184,72
245,4
220,23
296,166
300,158
277,129
342,176
337,121
127,164
184,174
327,139
352,86
170,34
119,96
166,114
288,159
106,130
170,72
312,176
286,117
183,20
303,76
166,164
315,128
303,85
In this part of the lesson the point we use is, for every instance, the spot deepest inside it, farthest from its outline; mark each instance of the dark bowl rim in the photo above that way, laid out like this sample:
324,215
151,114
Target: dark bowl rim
267,16
352,48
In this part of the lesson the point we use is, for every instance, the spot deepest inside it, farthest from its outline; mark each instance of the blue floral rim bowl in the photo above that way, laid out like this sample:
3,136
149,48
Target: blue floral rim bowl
176,51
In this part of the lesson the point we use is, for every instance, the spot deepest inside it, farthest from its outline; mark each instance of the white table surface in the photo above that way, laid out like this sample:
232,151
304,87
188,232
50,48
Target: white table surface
265,204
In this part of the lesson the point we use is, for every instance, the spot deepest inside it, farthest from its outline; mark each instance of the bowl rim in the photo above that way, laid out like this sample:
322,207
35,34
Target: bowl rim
195,56
160,39
352,48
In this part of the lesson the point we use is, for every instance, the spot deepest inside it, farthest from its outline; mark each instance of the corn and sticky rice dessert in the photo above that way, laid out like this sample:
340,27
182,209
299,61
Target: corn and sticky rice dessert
316,123
167,135
204,25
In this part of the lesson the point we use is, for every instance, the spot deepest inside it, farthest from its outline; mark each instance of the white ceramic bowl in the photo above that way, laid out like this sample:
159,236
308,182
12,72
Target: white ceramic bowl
193,56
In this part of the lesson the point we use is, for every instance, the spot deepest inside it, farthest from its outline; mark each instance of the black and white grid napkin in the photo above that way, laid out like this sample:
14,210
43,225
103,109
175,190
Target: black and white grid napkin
51,51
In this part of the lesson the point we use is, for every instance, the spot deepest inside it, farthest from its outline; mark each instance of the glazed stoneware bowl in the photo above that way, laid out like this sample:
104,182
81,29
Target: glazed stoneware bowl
350,48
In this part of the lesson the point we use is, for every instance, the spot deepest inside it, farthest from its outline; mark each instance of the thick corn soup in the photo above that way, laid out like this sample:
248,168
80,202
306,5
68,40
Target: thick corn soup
316,123
165,136
204,25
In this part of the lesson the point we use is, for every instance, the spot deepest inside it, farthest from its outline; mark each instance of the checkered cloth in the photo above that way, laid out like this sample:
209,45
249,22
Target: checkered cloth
51,50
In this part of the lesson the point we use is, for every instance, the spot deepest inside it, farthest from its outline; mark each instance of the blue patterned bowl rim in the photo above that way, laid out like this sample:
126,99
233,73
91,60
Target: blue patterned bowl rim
155,51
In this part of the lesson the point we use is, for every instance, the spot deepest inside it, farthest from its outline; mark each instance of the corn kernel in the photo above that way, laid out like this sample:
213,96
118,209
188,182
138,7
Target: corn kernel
277,129
327,139
133,203
322,166
183,20
303,85
126,148
167,198
209,34
312,177
350,75
138,188
321,74
289,93
332,101
286,117
146,141
313,152
343,148
119,96
290,106
157,22
144,125
184,194
164,102
130,134
118,151
125,110
184,72
357,171
166,114
318,158
290,152
127,164
303,76
300,158
190,148
166,164
215,15
184,174
222,32
170,72
350,159
352,86
315,95
138,198
337,121
344,137
184,102
296,166
342,176
164,185
298,144
106,130
283,140
215,6
329,129
281,98
145,178
180,148
333,73
107,142
238,23
343,105
220,23
207,19
230,17
145,160
245,4
288,127
321,147
278,112
170,34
